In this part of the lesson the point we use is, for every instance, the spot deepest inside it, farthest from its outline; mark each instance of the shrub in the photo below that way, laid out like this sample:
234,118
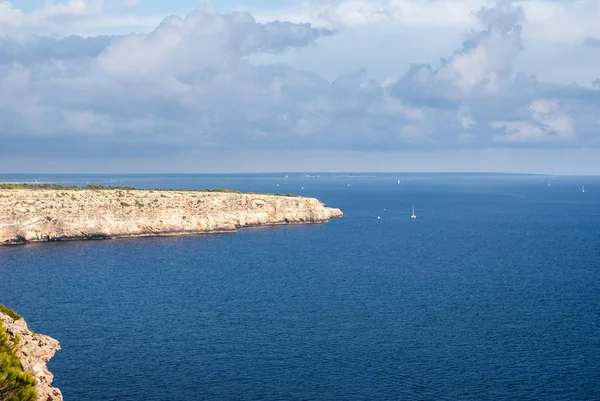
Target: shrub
15,384
9,312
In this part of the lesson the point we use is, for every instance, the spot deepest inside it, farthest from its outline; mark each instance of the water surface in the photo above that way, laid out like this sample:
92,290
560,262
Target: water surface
491,293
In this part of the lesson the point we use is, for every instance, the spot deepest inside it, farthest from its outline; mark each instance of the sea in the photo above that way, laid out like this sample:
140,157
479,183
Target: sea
491,293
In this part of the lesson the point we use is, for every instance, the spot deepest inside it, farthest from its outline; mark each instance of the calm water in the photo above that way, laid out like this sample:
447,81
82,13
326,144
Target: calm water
492,293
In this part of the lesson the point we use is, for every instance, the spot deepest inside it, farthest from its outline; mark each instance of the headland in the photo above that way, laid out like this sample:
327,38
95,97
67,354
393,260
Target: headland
38,213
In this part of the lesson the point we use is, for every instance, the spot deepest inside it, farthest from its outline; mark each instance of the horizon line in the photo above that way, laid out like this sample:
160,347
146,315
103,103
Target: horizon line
307,172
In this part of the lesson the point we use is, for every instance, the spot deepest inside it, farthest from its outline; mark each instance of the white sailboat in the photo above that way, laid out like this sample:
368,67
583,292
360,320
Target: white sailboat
398,181
582,189
413,216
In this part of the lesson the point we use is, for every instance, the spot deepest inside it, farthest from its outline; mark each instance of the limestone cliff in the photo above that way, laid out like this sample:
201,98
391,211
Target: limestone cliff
34,350
28,215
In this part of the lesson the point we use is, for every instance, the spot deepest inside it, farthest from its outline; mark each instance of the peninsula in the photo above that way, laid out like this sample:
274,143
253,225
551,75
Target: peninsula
31,213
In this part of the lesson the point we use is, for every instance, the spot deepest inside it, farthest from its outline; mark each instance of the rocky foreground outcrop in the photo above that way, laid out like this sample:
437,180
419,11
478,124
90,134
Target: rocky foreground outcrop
34,350
31,215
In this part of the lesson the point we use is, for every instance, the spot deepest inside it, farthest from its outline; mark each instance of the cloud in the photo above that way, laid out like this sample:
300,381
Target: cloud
201,41
186,83
27,50
491,102
481,68
189,85
548,20
60,18
352,13
591,42
57,13
51,15
550,124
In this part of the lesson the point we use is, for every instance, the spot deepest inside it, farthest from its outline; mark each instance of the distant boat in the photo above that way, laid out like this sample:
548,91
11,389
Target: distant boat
582,189
301,187
398,181
414,216
348,184
378,218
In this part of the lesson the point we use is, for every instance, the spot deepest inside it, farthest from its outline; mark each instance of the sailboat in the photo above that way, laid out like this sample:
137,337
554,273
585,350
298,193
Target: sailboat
414,216
398,181
582,189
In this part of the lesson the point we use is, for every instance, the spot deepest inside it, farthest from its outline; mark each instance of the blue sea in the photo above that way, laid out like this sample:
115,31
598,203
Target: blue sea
491,293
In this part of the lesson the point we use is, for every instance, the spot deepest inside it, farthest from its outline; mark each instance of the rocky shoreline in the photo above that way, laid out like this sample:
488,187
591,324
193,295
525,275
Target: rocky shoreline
33,350
42,215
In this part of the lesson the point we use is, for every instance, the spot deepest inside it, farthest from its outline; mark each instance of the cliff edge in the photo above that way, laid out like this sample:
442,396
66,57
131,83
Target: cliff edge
33,350
32,215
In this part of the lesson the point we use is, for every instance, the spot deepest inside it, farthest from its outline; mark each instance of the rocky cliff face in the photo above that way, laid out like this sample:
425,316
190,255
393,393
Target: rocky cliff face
47,215
34,350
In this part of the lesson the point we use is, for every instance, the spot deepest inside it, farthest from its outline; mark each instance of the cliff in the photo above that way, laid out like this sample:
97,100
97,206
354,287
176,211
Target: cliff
33,350
30,215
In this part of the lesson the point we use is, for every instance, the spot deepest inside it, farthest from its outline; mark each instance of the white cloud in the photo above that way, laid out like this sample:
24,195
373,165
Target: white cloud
550,124
352,13
481,68
9,16
56,13
424,30
51,15
561,21
189,85
548,19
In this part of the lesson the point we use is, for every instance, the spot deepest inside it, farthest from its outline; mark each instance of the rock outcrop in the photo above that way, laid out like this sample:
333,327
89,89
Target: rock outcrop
32,215
34,350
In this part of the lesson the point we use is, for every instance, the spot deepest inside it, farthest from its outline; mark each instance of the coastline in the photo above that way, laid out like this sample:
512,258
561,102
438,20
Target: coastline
33,350
47,214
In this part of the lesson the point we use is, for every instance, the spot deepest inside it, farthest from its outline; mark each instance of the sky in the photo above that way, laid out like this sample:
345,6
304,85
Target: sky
126,86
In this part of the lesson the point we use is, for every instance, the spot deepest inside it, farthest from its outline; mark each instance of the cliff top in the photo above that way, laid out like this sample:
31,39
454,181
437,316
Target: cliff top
58,187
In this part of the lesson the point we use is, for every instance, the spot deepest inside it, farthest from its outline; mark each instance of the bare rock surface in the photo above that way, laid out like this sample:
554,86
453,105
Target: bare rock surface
33,215
34,350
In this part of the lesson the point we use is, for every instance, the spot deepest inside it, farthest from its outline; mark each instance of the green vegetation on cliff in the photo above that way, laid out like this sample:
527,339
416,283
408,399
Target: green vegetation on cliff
8,185
102,187
9,312
15,384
